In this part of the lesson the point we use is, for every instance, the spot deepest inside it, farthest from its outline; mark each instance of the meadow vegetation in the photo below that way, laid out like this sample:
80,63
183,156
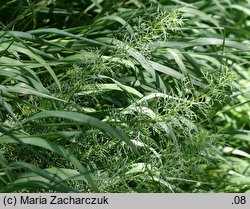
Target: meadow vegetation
124,96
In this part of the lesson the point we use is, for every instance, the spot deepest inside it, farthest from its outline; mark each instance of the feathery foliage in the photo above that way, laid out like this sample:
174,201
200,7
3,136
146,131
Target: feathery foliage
120,96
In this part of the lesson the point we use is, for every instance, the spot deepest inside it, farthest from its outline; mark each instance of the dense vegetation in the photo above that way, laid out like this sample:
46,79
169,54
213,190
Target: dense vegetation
124,96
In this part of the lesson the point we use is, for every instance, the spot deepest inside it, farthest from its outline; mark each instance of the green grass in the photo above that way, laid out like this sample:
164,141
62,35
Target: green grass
122,96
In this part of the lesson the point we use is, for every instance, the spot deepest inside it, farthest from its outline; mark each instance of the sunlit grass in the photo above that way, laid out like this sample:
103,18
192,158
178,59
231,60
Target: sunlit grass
126,101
